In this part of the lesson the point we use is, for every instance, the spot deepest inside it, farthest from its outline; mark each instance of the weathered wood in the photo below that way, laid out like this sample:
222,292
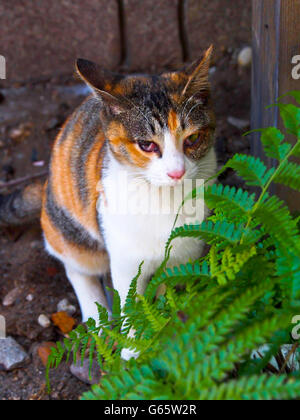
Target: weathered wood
289,47
276,39
265,69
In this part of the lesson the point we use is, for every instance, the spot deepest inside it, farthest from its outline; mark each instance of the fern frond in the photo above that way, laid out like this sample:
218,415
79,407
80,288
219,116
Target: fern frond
251,169
156,321
276,219
102,348
221,232
230,264
222,361
272,140
261,387
290,115
232,201
132,293
294,93
178,275
289,175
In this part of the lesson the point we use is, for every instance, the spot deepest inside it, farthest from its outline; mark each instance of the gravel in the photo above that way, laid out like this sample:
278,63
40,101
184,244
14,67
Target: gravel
245,57
65,306
12,355
44,321
11,297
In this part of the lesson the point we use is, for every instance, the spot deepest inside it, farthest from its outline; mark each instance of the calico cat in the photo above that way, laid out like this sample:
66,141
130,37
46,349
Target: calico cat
157,130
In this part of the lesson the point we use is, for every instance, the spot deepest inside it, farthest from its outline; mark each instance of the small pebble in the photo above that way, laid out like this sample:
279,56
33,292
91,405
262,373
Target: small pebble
292,363
39,163
238,123
52,124
65,306
245,57
82,372
44,321
212,70
12,355
21,132
36,244
11,297
44,351
63,321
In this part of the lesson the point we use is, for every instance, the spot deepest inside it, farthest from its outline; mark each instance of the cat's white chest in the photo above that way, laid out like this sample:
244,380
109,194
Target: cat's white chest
137,225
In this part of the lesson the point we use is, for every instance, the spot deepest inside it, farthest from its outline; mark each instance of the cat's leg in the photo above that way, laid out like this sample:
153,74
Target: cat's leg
88,290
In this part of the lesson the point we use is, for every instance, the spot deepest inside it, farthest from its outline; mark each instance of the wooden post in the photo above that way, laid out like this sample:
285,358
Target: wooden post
276,40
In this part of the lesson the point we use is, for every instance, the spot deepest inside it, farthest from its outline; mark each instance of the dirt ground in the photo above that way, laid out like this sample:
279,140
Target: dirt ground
30,118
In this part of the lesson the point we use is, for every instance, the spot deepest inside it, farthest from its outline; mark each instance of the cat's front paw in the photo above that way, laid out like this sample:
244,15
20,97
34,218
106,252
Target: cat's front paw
127,354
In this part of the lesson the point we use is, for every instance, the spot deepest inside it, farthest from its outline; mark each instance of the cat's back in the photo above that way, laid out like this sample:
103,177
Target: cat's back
69,212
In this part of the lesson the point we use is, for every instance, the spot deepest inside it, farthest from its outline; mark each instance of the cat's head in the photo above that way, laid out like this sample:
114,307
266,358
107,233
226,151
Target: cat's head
160,127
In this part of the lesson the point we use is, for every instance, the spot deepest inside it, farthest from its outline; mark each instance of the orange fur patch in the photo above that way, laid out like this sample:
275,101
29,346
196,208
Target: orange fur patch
107,87
93,174
117,134
120,142
173,121
176,98
65,191
138,158
119,90
176,78
64,186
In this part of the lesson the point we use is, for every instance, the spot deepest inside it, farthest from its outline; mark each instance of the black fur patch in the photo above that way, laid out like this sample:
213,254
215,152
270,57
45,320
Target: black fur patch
72,231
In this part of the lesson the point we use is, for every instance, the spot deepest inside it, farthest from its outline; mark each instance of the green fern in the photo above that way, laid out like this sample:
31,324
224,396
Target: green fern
251,169
289,175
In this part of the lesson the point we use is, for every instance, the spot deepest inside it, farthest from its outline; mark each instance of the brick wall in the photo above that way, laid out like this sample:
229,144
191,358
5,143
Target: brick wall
43,38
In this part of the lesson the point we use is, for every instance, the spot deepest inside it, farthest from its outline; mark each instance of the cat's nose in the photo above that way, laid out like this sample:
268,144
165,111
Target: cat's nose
176,174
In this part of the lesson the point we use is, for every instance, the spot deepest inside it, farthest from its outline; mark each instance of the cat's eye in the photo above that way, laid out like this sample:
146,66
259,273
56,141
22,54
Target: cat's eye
191,140
149,146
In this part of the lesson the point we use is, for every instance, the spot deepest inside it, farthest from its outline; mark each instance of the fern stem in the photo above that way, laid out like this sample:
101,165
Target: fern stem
268,184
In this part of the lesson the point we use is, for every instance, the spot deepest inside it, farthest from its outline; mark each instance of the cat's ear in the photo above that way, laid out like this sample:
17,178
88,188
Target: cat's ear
101,82
197,75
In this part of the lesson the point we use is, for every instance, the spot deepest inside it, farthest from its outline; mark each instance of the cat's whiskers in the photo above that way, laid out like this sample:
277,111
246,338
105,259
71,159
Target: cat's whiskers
190,111
185,105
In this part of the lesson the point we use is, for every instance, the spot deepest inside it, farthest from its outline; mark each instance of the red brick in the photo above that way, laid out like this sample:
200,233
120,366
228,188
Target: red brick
152,34
215,22
41,38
